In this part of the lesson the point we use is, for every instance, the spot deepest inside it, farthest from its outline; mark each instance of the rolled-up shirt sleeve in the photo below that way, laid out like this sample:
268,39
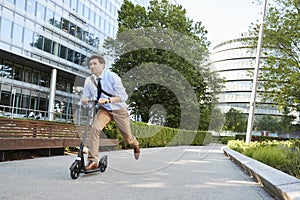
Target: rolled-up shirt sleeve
119,88
88,89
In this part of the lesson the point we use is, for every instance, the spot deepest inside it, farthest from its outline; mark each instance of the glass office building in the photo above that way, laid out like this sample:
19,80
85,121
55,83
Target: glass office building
234,61
44,48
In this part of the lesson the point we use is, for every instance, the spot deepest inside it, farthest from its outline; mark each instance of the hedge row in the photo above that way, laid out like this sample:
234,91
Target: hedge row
159,136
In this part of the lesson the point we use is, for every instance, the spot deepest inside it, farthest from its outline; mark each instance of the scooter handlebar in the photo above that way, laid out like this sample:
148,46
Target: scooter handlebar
92,101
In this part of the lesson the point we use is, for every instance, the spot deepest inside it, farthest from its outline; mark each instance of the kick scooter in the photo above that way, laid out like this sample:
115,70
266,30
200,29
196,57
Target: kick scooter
78,166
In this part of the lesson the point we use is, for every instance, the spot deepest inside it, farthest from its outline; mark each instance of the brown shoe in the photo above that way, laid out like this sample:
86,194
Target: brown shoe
92,165
137,152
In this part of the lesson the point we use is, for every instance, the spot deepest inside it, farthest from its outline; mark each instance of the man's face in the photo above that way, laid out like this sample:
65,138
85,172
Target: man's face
96,67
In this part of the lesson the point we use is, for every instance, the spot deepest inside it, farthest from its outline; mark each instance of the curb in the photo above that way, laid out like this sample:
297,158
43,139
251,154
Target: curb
278,184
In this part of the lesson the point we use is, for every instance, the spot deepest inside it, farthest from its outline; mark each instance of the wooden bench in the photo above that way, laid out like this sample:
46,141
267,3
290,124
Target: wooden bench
45,136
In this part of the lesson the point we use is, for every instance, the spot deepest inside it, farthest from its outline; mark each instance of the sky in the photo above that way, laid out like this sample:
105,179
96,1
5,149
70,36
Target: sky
223,19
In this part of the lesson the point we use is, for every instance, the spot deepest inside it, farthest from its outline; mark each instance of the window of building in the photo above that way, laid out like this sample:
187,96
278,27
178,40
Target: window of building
28,75
102,37
68,86
102,3
40,11
72,29
47,45
78,33
67,2
61,84
45,79
80,8
86,13
21,5
102,24
35,77
18,72
77,58
106,27
57,20
110,7
7,70
85,36
96,39
28,36
49,16
17,98
38,41
71,55
83,61
63,52
92,17
91,39
43,104
5,30
97,20
30,6
17,33
74,4
33,102
25,101
65,25
5,98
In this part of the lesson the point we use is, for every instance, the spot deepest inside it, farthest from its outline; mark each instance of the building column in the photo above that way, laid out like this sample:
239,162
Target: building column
52,94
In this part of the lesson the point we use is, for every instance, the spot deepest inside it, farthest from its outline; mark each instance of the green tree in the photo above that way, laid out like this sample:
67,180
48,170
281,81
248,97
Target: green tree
286,121
267,123
161,55
281,67
217,120
235,121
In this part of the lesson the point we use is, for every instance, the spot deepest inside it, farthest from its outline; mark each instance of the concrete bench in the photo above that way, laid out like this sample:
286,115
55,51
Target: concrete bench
277,183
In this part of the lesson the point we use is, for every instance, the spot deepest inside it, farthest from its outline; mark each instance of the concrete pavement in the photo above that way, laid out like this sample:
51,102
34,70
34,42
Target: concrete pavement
185,172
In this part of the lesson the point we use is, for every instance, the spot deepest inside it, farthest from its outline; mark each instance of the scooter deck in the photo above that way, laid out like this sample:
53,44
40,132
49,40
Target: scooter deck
103,161
90,171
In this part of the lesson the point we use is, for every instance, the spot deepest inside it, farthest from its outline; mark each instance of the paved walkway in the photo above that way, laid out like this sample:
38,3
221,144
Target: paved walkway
175,173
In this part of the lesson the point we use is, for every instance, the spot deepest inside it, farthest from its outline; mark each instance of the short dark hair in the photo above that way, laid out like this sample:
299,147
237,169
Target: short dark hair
100,58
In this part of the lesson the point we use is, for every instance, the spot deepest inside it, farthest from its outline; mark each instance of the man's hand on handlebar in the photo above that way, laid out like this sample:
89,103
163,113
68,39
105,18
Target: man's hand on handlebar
101,101
85,101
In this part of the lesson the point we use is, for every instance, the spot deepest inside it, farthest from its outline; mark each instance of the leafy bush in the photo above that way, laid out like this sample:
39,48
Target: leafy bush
282,155
225,139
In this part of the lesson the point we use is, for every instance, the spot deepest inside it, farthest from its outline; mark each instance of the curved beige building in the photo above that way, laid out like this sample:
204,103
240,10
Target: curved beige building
234,61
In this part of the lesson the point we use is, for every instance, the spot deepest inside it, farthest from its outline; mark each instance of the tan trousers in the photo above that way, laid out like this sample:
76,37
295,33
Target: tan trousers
102,118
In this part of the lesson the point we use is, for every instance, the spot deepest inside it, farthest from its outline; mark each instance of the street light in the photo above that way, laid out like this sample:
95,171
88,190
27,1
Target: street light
255,78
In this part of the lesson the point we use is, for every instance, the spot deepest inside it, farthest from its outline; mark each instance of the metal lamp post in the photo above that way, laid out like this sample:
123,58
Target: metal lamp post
255,78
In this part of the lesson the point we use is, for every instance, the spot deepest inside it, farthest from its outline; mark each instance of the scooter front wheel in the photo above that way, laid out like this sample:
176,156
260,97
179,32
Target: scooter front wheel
75,169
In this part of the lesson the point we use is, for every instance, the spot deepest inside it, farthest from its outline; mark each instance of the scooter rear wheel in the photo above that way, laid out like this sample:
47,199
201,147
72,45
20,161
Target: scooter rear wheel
75,169
103,165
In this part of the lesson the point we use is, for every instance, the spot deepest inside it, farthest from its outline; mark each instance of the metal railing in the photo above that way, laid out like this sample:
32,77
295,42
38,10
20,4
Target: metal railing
16,112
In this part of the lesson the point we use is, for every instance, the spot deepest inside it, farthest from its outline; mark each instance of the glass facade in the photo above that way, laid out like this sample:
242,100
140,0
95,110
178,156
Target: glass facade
234,61
48,42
